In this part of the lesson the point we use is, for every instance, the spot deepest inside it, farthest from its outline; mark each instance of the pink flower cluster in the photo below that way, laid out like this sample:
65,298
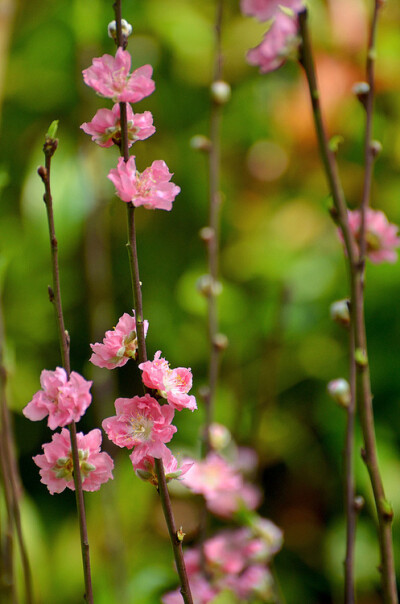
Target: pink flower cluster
56,465
171,384
119,344
381,235
150,189
63,400
141,422
221,485
234,560
110,77
281,39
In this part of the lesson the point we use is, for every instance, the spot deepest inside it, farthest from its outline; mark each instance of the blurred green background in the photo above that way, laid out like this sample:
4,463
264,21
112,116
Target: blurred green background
281,267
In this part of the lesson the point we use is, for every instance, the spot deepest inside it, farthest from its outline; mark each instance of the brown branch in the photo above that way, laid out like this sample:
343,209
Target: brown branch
49,149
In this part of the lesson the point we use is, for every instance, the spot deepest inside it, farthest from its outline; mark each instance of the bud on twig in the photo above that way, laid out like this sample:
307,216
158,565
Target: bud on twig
361,90
220,92
376,148
220,341
126,29
340,312
339,390
207,234
199,142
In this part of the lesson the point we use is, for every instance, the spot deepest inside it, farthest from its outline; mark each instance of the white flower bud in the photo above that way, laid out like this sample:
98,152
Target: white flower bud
340,312
126,29
220,92
339,390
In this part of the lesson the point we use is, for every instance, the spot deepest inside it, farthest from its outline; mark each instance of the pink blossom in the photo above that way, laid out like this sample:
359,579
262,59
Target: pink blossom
280,41
150,189
143,423
221,485
212,474
202,591
381,235
264,10
119,344
63,400
105,127
255,580
57,466
172,384
110,77
145,467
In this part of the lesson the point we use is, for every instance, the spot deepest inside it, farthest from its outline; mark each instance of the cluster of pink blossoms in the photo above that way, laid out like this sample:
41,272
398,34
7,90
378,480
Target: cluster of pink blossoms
381,236
234,560
281,39
65,400
111,78
142,423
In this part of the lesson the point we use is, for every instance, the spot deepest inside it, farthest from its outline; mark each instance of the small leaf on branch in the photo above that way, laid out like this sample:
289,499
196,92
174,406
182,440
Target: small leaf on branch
335,142
52,131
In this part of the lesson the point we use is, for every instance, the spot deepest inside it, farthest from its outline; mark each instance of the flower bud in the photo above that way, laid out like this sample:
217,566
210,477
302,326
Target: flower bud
126,29
358,503
361,90
199,142
340,313
208,287
220,341
219,436
339,390
220,92
376,148
206,234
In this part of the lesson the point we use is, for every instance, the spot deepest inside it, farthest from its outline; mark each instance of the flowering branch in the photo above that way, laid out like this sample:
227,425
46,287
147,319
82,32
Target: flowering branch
363,385
142,352
49,149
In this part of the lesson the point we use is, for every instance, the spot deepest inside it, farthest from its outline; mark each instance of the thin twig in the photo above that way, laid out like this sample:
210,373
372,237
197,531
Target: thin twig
363,384
12,484
350,508
142,352
49,149
214,228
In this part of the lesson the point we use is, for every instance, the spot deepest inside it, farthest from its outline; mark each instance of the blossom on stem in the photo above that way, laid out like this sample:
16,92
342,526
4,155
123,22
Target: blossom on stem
264,10
110,77
221,485
143,423
231,560
150,189
119,344
105,127
381,236
171,384
145,467
56,465
279,42
63,400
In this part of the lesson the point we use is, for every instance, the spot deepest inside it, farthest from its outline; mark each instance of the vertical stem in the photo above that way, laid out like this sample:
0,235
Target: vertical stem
142,352
55,297
350,508
213,239
12,485
363,384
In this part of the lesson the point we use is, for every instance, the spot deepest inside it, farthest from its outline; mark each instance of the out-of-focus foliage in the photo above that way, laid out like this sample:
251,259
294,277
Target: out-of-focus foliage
281,267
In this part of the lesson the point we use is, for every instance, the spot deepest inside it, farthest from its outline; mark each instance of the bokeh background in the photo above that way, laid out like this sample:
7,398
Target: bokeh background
281,267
